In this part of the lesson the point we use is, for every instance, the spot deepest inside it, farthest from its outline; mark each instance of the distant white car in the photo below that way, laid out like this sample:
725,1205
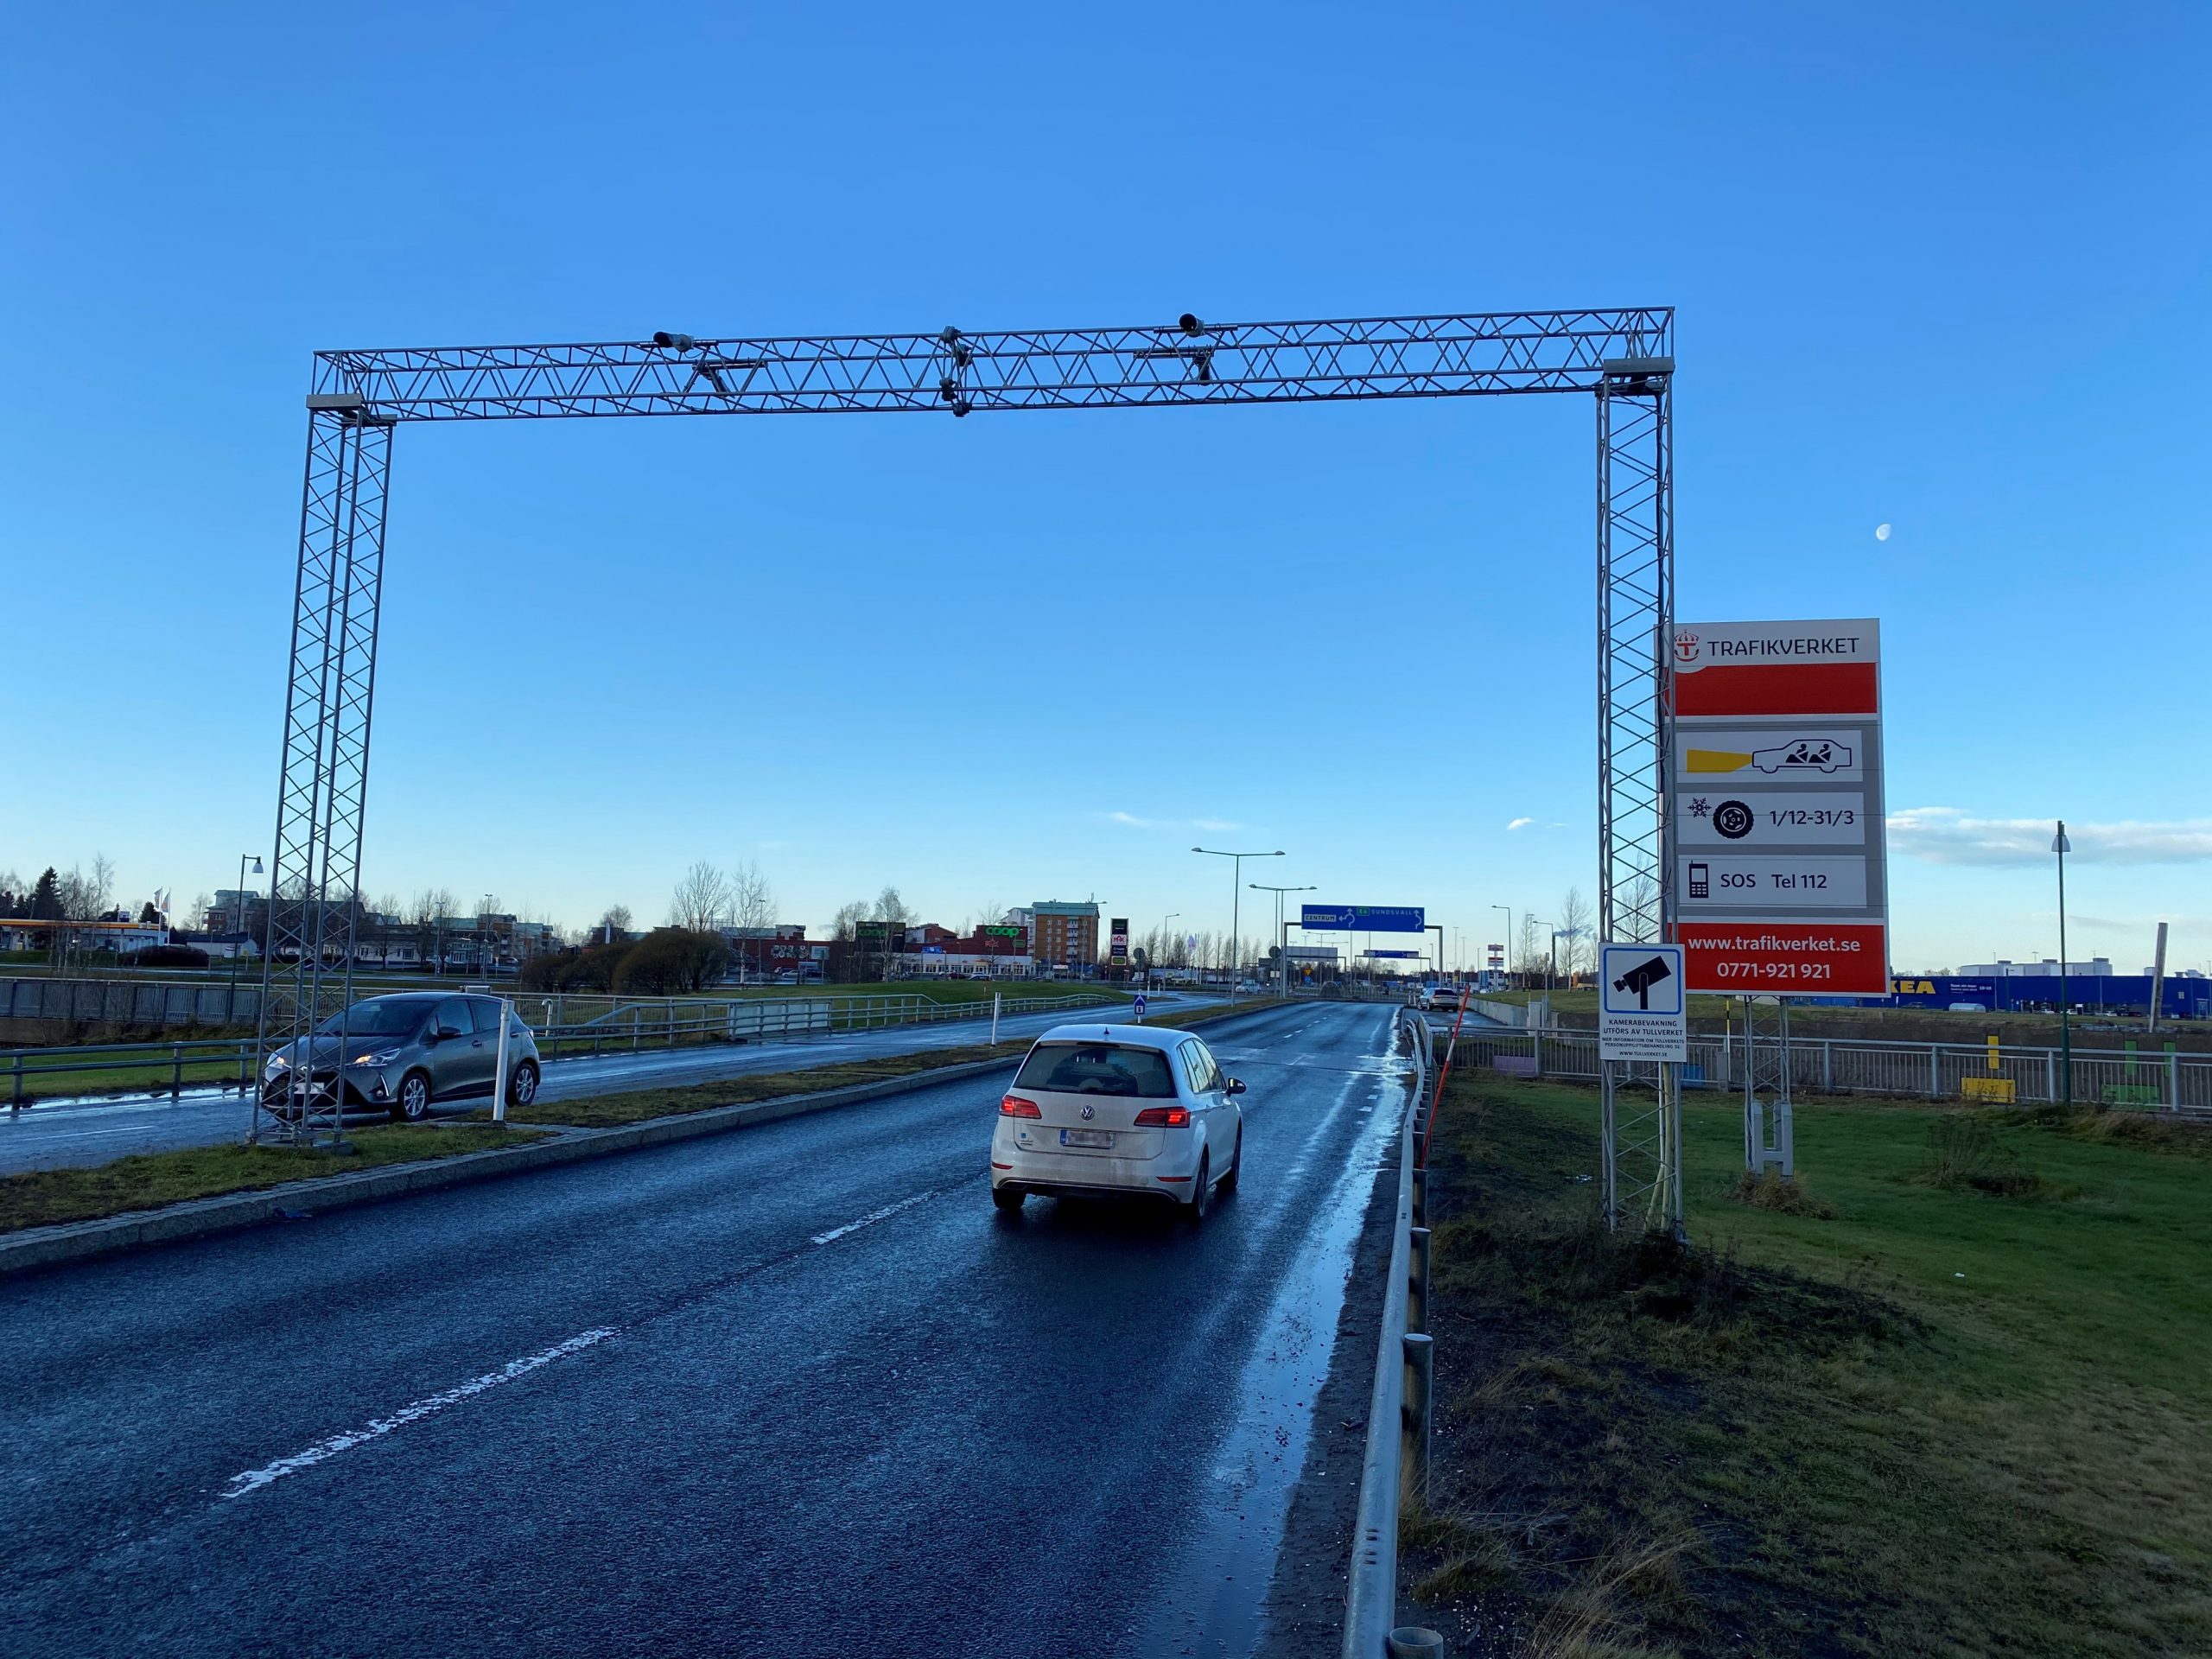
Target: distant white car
1138,1111
1444,999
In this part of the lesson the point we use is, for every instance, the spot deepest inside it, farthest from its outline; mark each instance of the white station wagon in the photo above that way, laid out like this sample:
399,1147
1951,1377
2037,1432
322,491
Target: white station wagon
1101,1110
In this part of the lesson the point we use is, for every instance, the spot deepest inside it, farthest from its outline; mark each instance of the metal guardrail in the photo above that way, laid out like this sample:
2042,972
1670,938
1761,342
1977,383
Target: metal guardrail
624,1026
2000,1075
1397,1459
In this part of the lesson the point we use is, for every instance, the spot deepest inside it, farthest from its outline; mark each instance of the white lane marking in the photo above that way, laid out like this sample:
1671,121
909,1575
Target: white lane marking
872,1218
254,1479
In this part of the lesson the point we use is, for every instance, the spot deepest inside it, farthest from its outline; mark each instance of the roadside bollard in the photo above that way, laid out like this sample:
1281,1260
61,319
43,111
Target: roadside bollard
1413,1414
1420,1198
1415,1642
1417,1280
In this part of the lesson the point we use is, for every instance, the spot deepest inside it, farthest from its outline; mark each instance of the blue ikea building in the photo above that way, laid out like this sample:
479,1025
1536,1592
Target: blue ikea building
2183,998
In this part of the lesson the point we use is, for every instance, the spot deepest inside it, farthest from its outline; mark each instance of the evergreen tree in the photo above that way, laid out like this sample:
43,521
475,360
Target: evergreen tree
46,898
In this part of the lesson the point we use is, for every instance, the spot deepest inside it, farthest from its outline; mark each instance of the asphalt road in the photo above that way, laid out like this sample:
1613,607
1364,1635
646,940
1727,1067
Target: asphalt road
795,1390
80,1133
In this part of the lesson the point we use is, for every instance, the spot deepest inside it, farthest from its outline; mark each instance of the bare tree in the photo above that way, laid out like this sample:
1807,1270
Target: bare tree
890,910
990,914
752,900
846,928
1578,947
612,924
701,898
1533,959
1636,911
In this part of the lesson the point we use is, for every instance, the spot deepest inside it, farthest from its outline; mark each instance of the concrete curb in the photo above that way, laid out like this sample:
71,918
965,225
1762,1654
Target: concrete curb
79,1241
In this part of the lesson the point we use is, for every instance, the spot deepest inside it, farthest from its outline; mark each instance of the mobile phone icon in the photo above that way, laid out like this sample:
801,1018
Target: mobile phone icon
1701,881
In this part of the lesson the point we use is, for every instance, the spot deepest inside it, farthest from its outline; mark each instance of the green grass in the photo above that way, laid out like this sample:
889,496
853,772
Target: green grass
149,1181
1950,1395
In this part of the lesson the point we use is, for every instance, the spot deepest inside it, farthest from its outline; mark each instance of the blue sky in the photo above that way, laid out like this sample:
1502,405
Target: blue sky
1940,267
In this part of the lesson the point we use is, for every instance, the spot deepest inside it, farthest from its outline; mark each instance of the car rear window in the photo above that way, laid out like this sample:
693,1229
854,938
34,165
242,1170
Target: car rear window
1098,1069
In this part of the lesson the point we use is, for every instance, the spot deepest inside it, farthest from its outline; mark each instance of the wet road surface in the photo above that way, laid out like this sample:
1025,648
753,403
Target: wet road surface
791,1390
68,1134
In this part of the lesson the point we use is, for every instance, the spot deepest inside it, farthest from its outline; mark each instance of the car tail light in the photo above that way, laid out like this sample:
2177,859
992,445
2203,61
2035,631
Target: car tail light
1164,1117
1015,1106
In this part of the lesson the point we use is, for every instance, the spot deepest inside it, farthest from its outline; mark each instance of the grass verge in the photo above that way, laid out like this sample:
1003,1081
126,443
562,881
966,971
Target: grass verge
637,1105
149,1181
1945,1394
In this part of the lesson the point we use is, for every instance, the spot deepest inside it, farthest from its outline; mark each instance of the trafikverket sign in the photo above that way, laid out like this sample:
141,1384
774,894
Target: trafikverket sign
1781,877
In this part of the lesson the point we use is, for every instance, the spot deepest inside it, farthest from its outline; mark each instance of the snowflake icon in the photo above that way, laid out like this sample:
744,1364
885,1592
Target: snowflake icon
1698,808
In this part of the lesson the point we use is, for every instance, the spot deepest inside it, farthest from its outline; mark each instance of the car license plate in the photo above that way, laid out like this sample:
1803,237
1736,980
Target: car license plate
1086,1137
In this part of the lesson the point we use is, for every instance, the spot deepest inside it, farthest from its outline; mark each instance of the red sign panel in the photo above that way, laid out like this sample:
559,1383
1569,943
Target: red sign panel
1785,958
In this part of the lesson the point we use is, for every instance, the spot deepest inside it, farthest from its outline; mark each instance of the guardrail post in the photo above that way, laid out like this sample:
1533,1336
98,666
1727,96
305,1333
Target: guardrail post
17,1105
1420,1198
176,1071
1934,1072
1417,1281
1413,1414
2173,1077
1827,1065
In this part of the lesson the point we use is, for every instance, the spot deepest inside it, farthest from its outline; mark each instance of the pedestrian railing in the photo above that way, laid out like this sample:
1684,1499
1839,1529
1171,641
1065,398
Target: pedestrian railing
2001,1074
597,1026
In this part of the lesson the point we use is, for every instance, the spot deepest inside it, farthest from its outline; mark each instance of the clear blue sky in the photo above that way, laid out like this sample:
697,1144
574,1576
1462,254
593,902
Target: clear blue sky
1939,268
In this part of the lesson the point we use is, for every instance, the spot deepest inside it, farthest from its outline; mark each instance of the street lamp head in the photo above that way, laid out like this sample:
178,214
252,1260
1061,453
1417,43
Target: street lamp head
257,866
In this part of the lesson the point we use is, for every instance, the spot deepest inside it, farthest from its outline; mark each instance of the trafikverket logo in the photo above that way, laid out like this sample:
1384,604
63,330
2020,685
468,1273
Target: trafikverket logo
1686,647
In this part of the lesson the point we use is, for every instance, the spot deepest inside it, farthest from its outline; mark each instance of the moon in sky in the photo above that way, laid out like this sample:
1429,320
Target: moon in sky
1881,532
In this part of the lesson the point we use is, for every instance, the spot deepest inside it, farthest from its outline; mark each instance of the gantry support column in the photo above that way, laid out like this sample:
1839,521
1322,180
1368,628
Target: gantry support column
307,967
1641,1126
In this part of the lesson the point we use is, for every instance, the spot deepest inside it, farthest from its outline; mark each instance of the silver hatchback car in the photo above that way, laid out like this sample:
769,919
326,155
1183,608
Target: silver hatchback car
406,1054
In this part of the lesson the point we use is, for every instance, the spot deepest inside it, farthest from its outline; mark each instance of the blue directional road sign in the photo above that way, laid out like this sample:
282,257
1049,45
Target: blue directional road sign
1140,1005
1364,918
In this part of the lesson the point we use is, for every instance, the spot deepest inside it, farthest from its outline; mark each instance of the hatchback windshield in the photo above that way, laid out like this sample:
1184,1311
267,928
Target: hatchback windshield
382,1017
1098,1069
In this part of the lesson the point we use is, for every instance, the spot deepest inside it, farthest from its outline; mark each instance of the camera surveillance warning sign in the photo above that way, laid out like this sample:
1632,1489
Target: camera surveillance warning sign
1640,1004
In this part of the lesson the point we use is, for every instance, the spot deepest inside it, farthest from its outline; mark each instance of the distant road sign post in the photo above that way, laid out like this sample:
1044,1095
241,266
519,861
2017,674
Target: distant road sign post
1140,1005
1364,918
1642,1011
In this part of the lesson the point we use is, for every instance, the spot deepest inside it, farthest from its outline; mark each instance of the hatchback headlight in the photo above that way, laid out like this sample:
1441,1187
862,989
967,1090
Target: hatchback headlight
277,1062
382,1057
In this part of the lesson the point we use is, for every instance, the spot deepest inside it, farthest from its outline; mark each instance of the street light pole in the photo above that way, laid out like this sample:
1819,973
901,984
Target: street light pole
2060,846
237,940
1236,899
1282,963
1165,947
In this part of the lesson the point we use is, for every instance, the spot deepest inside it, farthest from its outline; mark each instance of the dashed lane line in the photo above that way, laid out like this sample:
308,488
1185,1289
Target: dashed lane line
254,1479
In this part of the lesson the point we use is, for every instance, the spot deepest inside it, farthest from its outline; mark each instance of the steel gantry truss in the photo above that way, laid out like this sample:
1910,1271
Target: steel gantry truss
1624,356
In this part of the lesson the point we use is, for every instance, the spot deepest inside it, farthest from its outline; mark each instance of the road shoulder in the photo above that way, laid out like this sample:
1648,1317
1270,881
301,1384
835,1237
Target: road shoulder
1305,1611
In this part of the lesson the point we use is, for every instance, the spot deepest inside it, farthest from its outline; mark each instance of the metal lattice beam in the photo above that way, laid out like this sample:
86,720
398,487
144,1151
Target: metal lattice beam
1044,368
1623,356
